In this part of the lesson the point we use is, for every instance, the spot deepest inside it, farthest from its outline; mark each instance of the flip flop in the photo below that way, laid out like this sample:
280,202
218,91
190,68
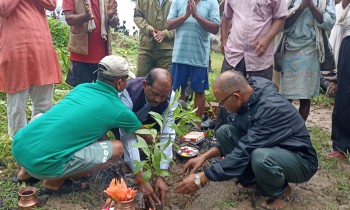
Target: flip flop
67,187
336,155
30,181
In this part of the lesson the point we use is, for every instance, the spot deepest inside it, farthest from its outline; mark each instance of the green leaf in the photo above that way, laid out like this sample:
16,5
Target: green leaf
166,158
146,151
168,142
146,176
149,126
138,166
156,158
156,115
141,143
154,133
143,131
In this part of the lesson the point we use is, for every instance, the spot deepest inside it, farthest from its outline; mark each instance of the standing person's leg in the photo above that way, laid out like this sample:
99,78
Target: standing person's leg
80,72
266,73
163,59
304,108
42,98
274,168
180,74
341,112
199,83
16,111
145,62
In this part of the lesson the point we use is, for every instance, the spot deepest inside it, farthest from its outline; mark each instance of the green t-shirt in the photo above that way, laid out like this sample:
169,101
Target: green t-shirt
79,119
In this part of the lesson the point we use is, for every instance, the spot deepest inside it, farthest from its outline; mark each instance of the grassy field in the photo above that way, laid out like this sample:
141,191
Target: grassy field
127,47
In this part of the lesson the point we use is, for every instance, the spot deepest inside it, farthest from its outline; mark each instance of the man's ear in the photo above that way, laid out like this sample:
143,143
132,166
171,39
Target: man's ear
144,84
117,85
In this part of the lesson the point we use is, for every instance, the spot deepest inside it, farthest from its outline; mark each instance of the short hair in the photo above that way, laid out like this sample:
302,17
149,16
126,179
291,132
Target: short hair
232,79
154,74
107,78
151,77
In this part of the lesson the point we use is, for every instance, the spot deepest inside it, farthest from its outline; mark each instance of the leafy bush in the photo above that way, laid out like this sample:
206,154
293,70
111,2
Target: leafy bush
60,37
59,33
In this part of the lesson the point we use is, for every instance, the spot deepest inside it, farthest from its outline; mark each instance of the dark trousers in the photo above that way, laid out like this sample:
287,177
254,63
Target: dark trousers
341,112
81,73
266,73
272,167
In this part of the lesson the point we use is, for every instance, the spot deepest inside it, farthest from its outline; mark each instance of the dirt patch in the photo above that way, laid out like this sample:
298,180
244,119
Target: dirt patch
314,194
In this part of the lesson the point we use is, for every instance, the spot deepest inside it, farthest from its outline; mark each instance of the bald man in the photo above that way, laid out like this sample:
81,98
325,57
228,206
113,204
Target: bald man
266,142
142,95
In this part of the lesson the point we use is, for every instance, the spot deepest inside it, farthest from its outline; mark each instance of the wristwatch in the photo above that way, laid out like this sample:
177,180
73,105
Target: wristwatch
197,180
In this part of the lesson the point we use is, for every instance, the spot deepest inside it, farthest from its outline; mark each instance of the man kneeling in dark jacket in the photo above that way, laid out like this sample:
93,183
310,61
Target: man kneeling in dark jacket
266,141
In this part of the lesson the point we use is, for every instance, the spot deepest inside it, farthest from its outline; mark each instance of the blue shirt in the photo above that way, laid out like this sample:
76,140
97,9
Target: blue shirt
192,41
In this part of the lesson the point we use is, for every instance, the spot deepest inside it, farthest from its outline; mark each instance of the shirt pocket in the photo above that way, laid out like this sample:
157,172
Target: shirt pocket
262,9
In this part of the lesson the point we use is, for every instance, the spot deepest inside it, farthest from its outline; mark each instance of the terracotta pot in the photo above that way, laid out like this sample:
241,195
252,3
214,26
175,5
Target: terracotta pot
27,198
125,205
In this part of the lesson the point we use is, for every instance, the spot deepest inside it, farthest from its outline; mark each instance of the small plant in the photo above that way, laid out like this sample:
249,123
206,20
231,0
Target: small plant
155,151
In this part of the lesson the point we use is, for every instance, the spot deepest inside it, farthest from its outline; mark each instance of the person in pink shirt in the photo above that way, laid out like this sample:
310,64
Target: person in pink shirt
248,29
28,62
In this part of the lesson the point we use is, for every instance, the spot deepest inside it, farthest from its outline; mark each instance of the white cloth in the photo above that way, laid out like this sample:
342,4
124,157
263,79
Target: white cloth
335,37
319,38
41,97
132,153
104,25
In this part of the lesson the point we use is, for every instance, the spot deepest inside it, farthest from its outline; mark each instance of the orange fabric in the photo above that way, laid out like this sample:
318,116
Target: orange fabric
27,54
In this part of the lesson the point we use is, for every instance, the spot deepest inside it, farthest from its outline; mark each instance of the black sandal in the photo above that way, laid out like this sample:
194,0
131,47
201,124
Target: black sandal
30,181
67,187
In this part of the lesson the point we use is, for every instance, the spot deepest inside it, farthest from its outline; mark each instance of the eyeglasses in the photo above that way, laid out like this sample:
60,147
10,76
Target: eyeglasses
221,103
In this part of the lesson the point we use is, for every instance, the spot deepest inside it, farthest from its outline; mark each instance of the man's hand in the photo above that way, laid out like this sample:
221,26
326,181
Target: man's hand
158,36
260,46
187,186
193,164
112,6
304,4
223,43
194,11
149,195
188,10
161,189
88,10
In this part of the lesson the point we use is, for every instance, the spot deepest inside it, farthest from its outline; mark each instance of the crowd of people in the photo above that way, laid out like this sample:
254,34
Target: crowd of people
261,135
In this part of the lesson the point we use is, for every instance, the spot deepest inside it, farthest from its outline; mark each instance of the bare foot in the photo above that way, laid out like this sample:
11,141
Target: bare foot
23,175
278,202
53,184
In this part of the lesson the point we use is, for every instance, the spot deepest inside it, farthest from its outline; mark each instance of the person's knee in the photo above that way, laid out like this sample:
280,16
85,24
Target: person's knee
258,159
118,149
225,131
263,163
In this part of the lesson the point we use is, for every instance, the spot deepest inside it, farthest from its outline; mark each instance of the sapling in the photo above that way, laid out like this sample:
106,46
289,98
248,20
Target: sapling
154,152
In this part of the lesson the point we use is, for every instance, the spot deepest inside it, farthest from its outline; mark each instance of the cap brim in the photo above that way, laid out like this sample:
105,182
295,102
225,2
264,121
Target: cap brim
132,75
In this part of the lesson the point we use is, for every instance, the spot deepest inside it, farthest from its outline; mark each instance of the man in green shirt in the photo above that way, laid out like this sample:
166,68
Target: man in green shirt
156,42
62,143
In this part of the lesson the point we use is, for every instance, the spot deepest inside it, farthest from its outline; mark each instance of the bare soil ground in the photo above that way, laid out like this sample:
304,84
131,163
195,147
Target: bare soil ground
315,194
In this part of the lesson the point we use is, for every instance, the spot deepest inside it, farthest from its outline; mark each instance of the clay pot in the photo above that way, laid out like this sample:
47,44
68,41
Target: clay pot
125,205
27,198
